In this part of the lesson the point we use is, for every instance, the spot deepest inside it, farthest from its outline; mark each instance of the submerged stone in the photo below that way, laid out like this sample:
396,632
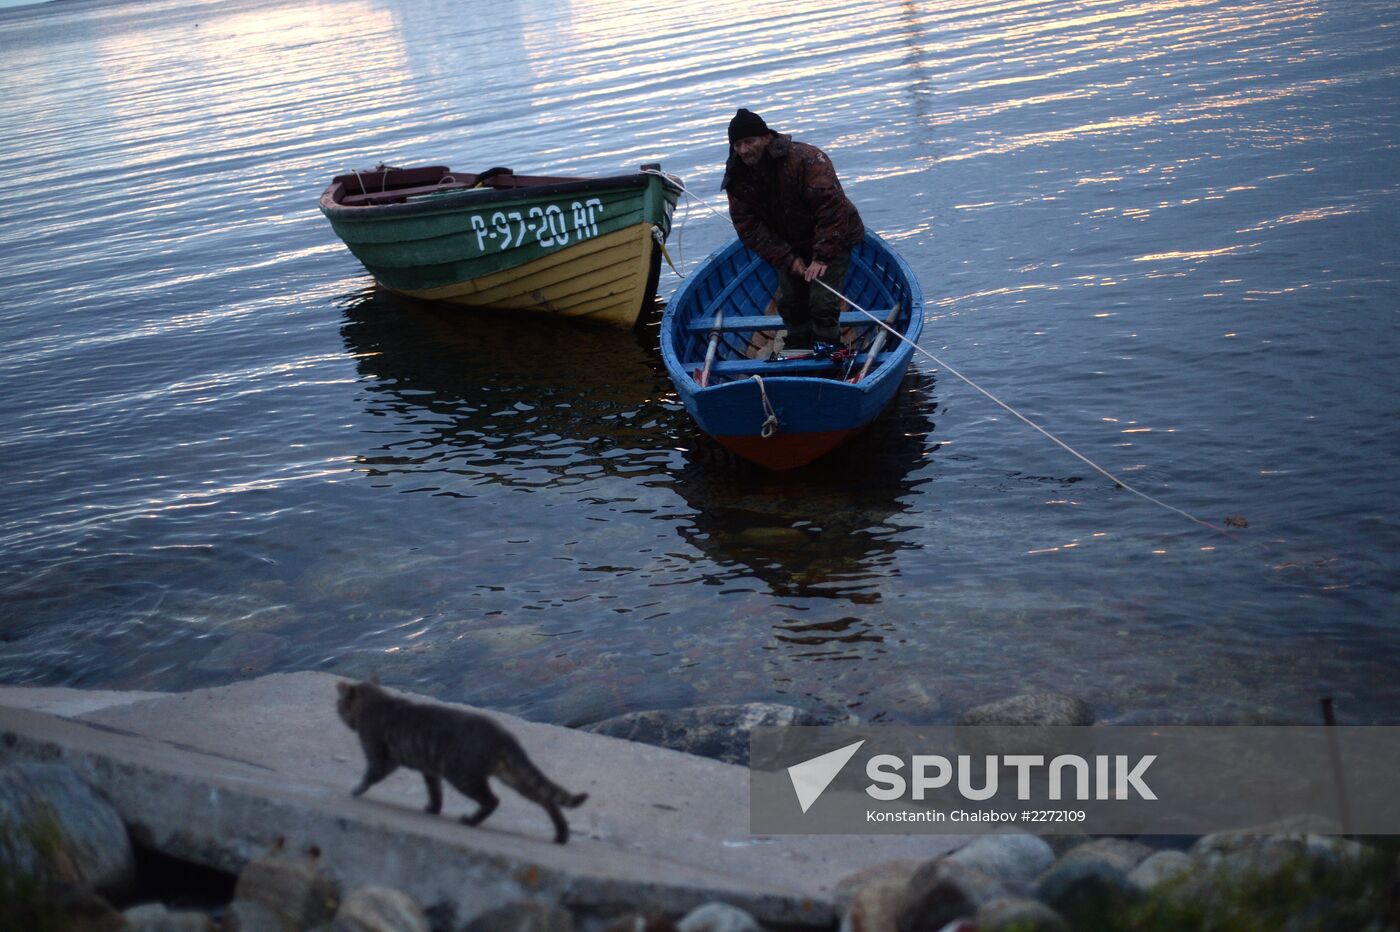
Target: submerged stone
718,731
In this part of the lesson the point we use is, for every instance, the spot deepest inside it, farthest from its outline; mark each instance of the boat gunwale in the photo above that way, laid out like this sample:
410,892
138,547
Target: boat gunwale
900,356
474,197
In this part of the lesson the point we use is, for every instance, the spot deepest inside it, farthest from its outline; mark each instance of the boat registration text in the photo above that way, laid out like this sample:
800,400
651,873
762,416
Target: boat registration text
548,226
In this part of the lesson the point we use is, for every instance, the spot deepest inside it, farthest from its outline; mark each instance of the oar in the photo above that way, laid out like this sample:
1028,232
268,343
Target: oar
713,348
879,344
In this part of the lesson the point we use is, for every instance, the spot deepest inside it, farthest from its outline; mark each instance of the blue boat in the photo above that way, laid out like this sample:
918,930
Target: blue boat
721,340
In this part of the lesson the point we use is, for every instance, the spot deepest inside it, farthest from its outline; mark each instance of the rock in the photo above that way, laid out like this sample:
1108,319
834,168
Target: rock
942,891
1064,844
1322,850
252,916
1262,863
379,909
1019,915
640,922
717,917
718,731
155,917
55,827
1120,852
1086,893
1330,851
874,907
290,885
1289,831
1030,709
896,873
244,652
28,903
522,916
1161,868
1015,859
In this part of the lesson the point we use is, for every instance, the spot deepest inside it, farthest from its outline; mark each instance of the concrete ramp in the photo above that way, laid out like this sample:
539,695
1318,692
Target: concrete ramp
216,776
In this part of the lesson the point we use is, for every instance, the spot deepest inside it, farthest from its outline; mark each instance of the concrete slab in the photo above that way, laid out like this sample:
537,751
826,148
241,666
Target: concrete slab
68,702
218,775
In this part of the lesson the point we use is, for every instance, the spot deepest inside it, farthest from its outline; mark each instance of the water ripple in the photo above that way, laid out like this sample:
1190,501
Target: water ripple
1163,229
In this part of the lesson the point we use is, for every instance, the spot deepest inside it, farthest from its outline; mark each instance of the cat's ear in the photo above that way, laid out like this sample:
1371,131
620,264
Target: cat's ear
343,688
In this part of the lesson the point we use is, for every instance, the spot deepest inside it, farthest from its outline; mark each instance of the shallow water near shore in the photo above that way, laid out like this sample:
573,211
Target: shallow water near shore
1164,231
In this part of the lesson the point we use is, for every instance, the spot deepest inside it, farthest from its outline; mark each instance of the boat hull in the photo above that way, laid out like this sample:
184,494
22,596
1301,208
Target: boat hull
786,414
585,249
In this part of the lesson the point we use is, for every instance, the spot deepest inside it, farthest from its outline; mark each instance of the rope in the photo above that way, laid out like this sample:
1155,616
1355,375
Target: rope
686,191
770,421
656,230
1022,418
657,235
1014,413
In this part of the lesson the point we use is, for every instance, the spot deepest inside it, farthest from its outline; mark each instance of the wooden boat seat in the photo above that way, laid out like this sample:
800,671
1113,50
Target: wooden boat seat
774,322
742,368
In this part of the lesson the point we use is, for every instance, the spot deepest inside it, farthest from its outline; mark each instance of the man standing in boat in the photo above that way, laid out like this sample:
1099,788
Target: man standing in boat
788,206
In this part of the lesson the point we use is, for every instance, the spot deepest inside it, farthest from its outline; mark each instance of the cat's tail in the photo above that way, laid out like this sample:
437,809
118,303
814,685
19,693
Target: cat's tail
520,774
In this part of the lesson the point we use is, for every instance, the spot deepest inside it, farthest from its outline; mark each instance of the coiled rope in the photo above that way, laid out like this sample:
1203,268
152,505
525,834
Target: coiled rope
1012,411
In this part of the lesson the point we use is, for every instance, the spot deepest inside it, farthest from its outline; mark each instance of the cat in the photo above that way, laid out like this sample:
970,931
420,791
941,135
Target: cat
442,743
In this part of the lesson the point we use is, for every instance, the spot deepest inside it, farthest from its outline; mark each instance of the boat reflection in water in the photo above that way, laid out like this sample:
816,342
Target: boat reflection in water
532,405
494,399
830,529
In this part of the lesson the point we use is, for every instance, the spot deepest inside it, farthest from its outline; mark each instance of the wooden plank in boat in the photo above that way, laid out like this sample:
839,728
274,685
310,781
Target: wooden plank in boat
774,322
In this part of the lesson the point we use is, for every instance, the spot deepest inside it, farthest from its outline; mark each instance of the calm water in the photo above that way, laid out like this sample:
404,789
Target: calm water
1165,230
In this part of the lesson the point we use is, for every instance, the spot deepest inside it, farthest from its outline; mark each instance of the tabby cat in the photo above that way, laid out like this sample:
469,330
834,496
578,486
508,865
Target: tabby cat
449,744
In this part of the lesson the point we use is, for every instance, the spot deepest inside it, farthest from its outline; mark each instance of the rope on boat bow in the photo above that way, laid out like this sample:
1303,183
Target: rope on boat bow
770,420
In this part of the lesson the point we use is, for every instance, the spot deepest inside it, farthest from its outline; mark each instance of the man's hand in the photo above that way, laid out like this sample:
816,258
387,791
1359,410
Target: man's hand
814,271
798,267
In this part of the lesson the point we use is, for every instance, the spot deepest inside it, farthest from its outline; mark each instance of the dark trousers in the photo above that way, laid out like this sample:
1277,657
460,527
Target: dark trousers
809,311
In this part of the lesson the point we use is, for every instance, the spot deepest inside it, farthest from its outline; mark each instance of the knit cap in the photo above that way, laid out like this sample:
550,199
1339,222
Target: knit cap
746,123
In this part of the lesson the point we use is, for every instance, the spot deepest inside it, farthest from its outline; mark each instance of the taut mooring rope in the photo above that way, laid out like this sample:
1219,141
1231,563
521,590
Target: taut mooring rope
1021,417
1014,413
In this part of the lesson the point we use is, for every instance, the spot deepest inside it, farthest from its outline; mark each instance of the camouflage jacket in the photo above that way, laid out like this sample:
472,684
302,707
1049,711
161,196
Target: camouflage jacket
791,205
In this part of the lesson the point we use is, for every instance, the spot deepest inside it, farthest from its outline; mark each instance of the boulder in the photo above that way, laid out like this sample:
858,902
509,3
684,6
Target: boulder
290,885
886,873
717,731
1120,852
640,922
28,903
1015,859
1086,893
717,917
943,891
522,916
1019,915
245,652
874,907
1039,709
379,909
155,917
55,827
252,916
1161,868
1031,723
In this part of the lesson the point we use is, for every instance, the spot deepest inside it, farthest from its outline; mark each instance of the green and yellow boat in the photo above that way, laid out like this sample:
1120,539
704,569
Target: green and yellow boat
585,248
